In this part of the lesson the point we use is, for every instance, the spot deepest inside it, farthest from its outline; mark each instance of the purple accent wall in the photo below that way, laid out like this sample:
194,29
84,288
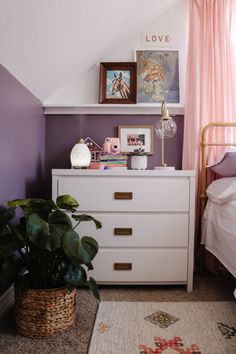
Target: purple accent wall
63,131
22,140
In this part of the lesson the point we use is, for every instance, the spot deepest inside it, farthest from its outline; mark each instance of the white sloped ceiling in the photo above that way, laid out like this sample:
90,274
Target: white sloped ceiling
50,44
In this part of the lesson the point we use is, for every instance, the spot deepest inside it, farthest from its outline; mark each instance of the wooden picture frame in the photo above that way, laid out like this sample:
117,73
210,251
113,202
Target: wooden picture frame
117,82
133,137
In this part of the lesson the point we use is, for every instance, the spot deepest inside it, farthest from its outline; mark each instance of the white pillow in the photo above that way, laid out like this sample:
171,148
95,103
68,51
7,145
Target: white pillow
222,190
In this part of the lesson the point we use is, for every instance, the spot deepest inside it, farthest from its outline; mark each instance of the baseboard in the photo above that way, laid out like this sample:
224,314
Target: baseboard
6,301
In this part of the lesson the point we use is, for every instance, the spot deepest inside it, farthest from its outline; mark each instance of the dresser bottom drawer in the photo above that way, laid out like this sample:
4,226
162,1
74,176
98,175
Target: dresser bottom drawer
140,266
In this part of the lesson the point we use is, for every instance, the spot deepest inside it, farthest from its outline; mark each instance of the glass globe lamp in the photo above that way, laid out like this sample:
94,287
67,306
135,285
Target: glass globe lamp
165,129
80,155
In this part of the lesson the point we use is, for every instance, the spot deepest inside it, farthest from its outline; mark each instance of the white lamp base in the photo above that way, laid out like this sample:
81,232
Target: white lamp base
164,168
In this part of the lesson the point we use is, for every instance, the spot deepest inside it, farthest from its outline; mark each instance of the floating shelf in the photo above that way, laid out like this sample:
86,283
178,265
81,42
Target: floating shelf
105,109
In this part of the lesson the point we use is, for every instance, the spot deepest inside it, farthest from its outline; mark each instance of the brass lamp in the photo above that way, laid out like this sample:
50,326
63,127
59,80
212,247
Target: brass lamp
165,129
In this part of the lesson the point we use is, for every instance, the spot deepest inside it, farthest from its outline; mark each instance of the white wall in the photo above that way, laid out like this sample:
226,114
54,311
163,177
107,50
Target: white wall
174,22
54,47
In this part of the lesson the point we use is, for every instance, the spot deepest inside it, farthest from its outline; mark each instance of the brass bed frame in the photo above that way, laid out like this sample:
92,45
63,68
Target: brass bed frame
204,145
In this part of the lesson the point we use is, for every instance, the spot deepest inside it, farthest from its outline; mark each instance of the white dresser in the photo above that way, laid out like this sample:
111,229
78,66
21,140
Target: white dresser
148,222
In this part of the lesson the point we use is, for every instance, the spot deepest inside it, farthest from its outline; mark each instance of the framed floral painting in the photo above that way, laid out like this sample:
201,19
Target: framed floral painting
157,76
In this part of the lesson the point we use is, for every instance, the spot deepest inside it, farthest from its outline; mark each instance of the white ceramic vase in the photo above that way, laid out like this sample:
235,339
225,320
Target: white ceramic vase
138,162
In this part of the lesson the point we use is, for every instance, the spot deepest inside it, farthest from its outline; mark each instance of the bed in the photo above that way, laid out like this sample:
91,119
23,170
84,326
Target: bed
218,200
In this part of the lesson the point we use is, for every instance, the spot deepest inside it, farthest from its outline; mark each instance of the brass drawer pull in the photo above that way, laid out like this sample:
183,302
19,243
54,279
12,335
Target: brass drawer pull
123,231
124,195
122,266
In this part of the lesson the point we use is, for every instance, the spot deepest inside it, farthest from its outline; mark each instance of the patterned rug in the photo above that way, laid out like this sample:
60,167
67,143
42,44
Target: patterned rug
165,327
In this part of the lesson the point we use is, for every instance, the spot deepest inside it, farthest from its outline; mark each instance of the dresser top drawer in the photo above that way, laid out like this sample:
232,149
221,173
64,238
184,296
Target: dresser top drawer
127,193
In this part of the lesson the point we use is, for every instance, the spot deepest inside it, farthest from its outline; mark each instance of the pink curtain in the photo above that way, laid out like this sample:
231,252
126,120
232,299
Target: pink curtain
211,76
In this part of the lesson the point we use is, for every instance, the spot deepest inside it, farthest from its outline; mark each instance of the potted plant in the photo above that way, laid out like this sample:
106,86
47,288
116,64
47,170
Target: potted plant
46,260
139,159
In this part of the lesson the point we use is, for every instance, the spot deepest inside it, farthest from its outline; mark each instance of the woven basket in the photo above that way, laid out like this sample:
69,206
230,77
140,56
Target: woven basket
44,313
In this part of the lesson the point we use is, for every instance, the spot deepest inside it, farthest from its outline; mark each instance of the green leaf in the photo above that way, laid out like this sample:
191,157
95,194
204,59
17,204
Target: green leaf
6,215
79,251
8,245
88,249
9,242
4,229
39,206
67,202
59,223
85,217
89,266
93,287
18,203
48,235
38,232
20,230
34,205
8,273
76,276
50,203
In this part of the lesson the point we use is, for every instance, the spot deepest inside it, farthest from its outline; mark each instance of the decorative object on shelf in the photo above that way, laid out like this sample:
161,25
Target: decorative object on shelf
111,157
153,39
136,136
44,257
80,155
111,146
94,148
117,83
138,162
139,159
165,129
114,161
157,76
96,165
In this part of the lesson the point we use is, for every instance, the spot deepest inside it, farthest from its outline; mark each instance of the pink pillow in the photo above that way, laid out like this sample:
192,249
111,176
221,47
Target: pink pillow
226,166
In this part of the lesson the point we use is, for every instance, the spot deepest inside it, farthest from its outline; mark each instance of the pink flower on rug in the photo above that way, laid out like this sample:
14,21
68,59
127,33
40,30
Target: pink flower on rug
176,343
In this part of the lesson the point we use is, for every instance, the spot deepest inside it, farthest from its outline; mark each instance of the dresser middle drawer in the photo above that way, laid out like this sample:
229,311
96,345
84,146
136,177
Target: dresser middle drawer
138,230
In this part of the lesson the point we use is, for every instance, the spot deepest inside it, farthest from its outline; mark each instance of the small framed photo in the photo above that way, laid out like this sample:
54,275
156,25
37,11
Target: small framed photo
117,82
136,137
157,76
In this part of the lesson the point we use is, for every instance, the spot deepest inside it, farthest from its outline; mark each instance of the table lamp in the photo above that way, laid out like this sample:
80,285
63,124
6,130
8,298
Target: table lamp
165,129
